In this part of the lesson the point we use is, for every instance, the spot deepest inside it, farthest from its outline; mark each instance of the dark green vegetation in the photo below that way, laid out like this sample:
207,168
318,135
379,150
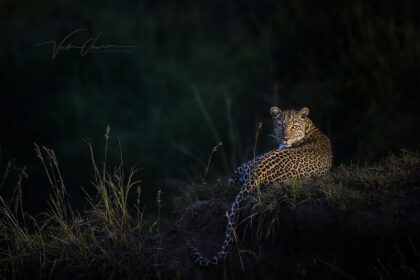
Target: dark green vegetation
357,222
355,64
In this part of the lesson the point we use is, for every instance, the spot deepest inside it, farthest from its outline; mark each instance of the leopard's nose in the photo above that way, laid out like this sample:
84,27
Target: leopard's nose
286,138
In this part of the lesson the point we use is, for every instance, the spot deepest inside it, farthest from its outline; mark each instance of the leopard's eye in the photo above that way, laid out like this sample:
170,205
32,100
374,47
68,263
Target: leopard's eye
294,127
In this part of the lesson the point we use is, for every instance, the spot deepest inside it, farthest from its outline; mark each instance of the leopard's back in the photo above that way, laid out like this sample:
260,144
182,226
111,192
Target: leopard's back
308,160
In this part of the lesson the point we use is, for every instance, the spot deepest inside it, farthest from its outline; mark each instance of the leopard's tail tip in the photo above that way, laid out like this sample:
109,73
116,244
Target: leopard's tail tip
204,262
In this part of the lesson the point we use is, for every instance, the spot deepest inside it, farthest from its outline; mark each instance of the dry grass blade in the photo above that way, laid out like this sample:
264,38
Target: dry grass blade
211,125
335,268
215,148
5,174
235,235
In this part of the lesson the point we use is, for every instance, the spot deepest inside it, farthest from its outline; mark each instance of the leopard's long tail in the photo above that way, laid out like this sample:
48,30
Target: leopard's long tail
229,234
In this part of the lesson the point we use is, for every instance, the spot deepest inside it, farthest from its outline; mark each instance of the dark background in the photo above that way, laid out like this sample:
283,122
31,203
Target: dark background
355,64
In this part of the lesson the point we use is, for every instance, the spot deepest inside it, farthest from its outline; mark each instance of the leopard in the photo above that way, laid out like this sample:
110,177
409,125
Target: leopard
303,152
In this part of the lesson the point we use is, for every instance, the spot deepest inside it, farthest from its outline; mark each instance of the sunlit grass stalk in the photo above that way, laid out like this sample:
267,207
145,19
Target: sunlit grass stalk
158,200
235,235
211,154
257,133
108,129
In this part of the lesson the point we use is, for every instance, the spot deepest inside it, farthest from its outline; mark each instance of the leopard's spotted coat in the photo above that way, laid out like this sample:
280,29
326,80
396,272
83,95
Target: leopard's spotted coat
304,151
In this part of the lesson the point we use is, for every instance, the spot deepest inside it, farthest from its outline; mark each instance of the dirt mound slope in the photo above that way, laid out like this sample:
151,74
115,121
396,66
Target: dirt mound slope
358,223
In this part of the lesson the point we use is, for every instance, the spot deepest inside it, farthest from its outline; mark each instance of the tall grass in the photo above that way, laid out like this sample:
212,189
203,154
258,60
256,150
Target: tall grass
105,240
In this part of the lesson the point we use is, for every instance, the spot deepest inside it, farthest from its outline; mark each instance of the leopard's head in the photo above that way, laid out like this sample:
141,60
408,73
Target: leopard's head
290,126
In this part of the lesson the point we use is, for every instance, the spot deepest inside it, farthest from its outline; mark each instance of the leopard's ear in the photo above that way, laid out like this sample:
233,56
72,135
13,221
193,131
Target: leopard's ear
275,112
304,112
